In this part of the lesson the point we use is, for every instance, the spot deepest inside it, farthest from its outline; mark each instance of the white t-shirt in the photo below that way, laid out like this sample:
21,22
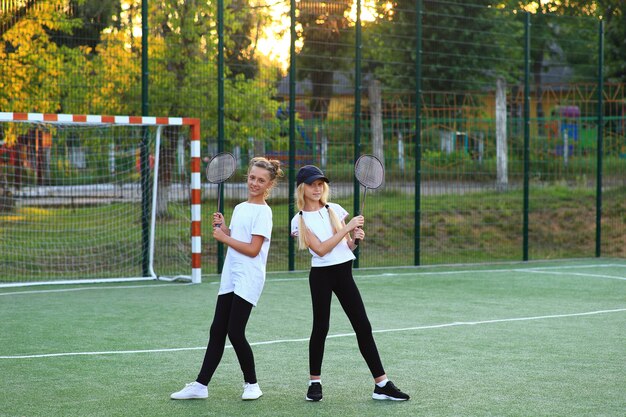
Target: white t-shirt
243,275
319,223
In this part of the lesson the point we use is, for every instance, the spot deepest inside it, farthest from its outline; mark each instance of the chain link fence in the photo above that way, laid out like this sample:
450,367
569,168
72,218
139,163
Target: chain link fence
500,137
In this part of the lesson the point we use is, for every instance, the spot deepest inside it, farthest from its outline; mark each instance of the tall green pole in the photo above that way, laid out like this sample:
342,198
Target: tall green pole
418,133
144,58
292,125
144,166
600,139
220,78
526,132
357,111
220,113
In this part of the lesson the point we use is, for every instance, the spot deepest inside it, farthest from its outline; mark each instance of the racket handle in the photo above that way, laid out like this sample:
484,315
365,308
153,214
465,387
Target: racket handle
357,241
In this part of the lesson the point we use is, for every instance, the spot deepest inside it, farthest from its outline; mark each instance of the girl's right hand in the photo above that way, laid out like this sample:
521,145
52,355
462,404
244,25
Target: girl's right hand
357,221
218,219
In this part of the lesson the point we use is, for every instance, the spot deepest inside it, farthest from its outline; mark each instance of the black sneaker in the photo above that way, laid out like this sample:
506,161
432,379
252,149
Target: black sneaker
389,392
315,392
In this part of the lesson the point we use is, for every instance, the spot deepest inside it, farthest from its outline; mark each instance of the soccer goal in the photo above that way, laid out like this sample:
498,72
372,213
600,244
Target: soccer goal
89,198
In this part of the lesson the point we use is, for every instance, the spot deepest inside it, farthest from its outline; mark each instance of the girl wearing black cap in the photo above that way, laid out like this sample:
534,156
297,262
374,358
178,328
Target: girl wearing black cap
320,226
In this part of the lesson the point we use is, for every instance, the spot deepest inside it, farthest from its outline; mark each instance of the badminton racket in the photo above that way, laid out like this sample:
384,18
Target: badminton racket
370,173
220,168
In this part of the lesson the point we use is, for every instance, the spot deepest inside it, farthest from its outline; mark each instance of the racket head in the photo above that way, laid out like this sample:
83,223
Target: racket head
369,171
221,167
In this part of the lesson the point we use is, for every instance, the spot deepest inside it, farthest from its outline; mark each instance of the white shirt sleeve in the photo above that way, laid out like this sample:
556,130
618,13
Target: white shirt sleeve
262,223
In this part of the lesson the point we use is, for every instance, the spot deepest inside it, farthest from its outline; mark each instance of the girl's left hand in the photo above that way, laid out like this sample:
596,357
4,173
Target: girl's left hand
359,233
356,222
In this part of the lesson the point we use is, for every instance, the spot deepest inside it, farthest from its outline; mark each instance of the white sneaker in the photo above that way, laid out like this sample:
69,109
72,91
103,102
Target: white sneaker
193,390
251,391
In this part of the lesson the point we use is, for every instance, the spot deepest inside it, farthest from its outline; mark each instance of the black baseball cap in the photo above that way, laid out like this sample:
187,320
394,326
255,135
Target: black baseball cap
310,173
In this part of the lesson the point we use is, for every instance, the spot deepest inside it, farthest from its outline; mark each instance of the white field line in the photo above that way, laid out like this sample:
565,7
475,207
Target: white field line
116,287
480,271
359,276
273,342
577,274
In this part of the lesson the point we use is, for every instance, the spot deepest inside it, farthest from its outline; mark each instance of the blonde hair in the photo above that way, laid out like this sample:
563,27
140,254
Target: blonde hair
270,165
334,220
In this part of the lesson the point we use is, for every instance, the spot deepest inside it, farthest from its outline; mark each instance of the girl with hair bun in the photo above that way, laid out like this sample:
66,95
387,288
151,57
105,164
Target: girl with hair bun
242,280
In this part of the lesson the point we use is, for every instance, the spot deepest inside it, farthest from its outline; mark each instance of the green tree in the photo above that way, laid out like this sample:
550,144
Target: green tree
107,61
13,13
113,84
184,77
551,28
239,57
325,48
30,63
183,61
464,45
615,17
613,12
95,16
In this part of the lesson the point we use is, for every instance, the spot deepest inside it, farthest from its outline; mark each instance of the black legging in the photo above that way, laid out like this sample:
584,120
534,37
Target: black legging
231,316
323,281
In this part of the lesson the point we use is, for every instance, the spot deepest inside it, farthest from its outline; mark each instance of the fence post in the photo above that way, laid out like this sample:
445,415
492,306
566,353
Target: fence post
292,127
526,132
146,190
220,114
418,134
600,149
357,112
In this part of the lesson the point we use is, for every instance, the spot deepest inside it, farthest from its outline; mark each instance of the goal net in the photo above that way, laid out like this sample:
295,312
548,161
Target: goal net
85,198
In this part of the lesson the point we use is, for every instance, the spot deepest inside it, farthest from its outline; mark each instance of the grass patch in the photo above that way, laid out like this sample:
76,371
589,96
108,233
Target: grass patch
474,227
538,339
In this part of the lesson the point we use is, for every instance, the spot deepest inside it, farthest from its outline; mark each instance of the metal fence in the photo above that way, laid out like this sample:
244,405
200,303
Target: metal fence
501,139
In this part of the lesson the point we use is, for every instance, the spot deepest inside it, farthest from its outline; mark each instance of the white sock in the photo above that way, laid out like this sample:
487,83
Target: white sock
313,381
382,383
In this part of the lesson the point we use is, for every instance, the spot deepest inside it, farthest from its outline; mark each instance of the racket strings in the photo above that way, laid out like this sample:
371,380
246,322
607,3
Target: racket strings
369,171
221,168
